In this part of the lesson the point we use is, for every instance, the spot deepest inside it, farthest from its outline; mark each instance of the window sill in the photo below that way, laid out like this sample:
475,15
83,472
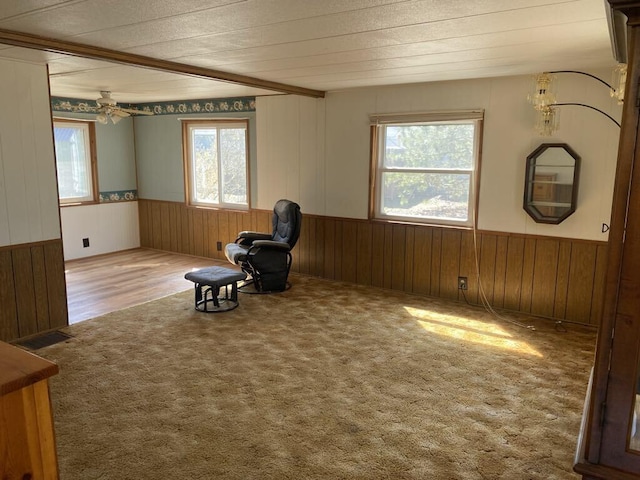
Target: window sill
416,223
219,208
78,204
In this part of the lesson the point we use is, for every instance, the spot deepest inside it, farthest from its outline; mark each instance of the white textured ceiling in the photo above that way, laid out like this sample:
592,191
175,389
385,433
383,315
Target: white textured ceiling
317,44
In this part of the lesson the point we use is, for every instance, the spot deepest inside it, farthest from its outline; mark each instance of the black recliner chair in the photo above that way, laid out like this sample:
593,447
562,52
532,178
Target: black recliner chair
265,257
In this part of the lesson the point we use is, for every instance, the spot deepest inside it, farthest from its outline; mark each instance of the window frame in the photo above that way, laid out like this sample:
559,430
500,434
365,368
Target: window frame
187,125
92,160
379,123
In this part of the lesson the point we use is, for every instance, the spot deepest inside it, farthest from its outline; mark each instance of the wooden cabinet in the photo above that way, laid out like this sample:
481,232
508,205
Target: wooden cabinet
607,448
551,183
27,441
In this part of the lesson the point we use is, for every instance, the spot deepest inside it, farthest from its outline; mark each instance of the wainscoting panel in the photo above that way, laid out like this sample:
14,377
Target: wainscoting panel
32,289
551,277
110,227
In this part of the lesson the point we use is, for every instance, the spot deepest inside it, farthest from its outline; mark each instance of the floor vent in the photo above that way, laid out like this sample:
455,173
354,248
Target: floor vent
44,340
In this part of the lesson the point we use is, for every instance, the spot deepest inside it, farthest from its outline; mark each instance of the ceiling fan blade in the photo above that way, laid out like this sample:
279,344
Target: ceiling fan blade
84,108
107,104
137,112
119,112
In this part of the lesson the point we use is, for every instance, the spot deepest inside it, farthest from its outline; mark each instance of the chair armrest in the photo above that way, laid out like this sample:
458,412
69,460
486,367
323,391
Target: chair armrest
247,237
271,244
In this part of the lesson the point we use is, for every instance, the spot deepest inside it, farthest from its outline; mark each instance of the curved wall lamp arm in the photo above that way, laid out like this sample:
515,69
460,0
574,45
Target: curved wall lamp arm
588,106
584,73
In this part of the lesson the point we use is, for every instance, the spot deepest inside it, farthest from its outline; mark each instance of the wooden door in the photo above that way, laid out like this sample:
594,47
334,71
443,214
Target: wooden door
612,399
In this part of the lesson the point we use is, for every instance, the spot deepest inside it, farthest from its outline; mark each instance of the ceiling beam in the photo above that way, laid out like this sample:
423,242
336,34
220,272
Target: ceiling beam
27,40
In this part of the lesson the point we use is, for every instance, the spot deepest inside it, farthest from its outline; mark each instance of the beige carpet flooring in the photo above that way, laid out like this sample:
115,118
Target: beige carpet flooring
324,381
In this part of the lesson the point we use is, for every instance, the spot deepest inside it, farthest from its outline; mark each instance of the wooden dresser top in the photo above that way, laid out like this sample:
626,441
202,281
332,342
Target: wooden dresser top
19,368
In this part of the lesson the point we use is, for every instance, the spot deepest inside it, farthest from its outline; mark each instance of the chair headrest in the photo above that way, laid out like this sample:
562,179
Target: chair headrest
287,220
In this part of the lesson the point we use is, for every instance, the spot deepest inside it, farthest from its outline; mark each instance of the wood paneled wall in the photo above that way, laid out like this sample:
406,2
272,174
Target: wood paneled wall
33,294
551,277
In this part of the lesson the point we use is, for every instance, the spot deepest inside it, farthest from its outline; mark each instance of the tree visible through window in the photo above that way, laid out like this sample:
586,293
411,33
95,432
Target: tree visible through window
74,161
425,172
217,163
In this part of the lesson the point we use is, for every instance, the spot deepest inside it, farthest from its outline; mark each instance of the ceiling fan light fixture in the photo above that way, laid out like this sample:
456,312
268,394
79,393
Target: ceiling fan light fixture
108,109
105,99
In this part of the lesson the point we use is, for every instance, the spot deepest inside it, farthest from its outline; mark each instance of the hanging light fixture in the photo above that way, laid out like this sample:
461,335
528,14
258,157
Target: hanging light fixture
543,98
543,92
547,120
618,81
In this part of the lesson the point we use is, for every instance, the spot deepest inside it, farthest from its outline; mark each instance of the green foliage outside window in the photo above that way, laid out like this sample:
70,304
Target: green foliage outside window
426,170
234,165
73,161
205,165
219,165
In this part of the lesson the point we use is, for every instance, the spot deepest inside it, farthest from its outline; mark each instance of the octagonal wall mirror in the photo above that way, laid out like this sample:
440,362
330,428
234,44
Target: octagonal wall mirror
551,183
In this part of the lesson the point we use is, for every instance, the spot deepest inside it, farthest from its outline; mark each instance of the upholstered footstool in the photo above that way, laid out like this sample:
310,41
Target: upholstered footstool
208,282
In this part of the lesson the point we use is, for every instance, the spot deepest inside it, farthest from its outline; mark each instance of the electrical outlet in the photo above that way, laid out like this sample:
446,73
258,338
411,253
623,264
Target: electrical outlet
85,242
219,246
462,283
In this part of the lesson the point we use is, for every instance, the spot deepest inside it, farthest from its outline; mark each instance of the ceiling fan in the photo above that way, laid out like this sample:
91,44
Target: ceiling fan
108,109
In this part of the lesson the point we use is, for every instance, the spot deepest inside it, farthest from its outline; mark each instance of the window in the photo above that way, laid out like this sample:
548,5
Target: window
425,170
75,161
216,163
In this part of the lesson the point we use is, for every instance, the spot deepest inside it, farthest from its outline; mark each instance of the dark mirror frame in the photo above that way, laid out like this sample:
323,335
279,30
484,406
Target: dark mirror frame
550,213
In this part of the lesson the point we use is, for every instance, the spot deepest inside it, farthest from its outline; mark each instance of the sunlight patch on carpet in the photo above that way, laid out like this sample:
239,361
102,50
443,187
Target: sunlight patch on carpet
469,330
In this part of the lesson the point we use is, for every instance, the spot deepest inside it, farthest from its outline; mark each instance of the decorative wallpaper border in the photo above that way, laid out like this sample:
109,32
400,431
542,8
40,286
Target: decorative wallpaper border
207,105
78,105
211,105
118,196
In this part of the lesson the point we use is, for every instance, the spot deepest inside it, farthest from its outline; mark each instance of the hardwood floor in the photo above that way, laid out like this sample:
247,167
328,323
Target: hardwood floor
106,283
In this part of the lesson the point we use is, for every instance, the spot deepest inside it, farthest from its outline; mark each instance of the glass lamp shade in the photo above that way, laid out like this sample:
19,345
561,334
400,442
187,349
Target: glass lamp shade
547,121
543,93
102,118
115,118
618,82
